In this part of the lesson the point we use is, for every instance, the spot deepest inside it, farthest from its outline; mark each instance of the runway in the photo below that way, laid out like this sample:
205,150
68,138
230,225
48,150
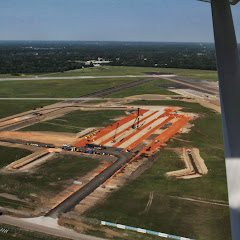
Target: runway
85,77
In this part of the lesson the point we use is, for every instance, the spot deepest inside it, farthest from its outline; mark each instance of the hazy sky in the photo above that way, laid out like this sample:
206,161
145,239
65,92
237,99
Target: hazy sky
129,20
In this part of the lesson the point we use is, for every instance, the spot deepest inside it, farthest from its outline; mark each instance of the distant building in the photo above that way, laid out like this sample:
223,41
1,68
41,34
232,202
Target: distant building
97,63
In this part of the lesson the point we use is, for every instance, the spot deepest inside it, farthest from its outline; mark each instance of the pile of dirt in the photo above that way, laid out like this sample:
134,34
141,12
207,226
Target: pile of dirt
194,165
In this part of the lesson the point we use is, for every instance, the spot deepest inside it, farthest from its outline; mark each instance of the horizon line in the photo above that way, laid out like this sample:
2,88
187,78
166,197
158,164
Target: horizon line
137,41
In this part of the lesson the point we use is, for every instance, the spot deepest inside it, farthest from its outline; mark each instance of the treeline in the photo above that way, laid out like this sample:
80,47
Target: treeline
37,65
44,57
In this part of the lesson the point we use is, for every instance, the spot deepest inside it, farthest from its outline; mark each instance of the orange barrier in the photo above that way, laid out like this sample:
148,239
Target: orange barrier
108,129
142,128
145,136
118,134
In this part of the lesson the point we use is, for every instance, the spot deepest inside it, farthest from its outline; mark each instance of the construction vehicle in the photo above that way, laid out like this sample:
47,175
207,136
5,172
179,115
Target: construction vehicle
37,113
136,126
114,137
99,147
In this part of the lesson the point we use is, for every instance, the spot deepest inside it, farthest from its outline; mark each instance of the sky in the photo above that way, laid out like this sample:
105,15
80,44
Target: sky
109,20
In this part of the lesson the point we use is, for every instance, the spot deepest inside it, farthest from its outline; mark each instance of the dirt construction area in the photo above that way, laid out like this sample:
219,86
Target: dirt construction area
135,129
44,137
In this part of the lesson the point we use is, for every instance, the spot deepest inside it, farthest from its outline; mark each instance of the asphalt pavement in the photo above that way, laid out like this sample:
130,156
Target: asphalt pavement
84,77
70,202
49,229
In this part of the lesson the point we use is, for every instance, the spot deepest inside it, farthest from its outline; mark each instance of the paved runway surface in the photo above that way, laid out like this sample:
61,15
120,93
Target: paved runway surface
82,77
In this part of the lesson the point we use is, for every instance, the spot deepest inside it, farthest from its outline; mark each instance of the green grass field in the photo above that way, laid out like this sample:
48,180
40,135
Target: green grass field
12,107
168,213
58,88
13,76
9,155
4,202
100,231
153,87
49,179
76,121
122,70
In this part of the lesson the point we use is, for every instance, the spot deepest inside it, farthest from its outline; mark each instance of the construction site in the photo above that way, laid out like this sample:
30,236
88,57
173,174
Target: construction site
123,147
144,131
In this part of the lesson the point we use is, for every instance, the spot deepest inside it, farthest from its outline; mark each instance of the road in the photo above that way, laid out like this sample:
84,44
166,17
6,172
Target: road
49,229
70,202
84,77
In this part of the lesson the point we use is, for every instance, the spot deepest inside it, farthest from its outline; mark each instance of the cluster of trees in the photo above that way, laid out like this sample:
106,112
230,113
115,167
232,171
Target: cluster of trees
22,57
168,55
49,56
36,65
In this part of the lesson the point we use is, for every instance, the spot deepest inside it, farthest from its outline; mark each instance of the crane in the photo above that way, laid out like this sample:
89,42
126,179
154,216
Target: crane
136,120
114,137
